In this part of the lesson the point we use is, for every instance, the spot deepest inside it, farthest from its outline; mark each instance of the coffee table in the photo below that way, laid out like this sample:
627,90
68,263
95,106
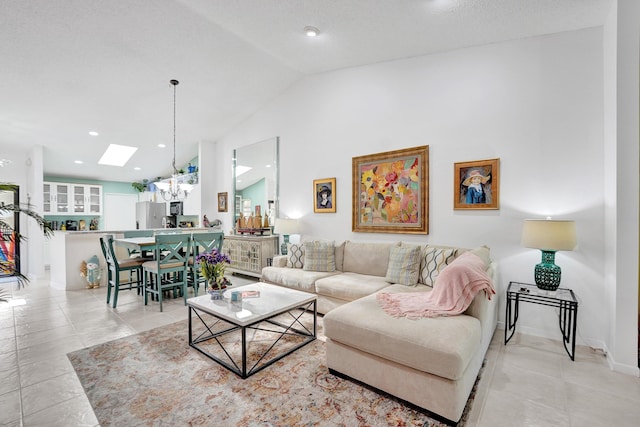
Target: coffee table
276,313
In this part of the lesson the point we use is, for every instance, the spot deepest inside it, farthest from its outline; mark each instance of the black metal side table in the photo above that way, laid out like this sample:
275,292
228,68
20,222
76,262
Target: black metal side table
562,298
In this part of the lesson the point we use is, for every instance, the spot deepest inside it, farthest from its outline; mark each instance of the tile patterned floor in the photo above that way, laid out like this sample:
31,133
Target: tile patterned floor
530,382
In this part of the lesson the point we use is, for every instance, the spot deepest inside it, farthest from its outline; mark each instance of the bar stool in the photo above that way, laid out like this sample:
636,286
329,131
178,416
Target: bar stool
168,271
115,266
201,243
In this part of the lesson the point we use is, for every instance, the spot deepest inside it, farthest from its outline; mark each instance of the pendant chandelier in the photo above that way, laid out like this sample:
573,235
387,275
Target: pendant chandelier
174,190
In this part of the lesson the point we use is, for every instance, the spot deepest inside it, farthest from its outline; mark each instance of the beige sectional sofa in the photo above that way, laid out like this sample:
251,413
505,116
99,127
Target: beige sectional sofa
429,362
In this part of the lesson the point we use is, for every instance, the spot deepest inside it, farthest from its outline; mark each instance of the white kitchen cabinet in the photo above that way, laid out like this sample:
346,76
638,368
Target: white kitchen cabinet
87,199
56,198
72,199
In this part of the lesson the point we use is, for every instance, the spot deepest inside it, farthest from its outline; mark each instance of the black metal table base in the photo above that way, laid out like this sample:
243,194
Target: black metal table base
567,311
268,357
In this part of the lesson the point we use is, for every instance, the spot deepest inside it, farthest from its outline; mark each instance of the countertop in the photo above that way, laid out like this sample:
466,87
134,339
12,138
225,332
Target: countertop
186,229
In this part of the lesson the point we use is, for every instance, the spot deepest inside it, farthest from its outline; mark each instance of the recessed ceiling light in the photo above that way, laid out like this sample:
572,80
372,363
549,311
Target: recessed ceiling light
311,31
117,155
78,162
267,166
161,145
94,133
136,168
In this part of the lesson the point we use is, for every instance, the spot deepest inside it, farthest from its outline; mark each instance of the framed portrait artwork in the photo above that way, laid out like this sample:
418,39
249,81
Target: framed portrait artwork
391,192
324,195
476,185
222,202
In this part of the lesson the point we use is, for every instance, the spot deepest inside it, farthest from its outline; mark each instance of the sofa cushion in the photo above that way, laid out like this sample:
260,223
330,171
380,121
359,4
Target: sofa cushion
484,254
404,265
279,261
339,255
295,278
433,260
350,286
295,255
441,346
367,258
319,256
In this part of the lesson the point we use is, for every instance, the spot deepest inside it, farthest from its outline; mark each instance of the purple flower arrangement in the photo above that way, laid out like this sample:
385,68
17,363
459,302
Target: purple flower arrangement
212,266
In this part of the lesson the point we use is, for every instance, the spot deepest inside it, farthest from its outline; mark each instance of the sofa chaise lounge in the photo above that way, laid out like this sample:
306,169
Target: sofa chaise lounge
429,362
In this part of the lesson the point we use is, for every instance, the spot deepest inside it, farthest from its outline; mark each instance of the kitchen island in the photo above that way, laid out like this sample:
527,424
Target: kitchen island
70,248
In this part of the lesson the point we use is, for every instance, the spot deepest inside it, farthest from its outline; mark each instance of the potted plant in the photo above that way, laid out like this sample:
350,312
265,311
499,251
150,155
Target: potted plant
212,267
140,186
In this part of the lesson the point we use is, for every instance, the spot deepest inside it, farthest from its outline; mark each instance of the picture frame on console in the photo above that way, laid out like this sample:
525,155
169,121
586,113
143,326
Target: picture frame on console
476,185
223,202
391,192
324,195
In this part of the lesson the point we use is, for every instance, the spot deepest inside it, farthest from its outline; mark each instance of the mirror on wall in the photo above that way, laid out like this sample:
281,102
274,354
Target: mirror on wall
255,179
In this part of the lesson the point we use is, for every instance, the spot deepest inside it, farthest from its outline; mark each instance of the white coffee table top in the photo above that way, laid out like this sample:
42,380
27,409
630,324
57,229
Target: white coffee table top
272,300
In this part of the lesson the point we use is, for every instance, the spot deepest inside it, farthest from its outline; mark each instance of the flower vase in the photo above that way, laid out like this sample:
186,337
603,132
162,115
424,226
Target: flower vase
215,289
216,294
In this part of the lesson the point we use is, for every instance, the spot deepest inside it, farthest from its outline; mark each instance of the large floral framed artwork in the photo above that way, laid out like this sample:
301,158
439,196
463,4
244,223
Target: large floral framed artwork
476,185
324,195
391,192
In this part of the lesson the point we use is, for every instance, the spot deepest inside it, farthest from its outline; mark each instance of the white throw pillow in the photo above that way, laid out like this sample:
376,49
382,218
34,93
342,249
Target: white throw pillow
484,254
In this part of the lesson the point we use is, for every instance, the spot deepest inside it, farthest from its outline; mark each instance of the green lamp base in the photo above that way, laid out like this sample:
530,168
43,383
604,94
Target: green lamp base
547,273
283,246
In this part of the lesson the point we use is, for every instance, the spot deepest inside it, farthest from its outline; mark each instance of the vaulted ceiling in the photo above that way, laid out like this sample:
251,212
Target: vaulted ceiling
73,66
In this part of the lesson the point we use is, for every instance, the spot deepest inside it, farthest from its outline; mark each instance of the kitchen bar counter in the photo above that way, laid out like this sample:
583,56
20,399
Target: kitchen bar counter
69,248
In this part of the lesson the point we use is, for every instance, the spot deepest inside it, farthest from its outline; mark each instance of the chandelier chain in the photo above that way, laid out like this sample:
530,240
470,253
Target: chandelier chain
175,189
174,83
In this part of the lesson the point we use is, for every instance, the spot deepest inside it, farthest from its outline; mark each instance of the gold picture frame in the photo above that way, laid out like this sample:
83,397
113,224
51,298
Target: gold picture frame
324,195
476,185
391,192
223,202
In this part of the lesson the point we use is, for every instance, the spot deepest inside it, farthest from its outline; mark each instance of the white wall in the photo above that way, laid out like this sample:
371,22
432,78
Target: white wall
537,104
622,50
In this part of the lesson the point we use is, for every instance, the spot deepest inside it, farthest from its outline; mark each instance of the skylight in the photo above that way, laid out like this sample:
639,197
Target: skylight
117,155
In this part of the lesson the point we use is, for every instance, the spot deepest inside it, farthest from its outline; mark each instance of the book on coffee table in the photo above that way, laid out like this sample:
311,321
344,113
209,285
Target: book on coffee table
250,294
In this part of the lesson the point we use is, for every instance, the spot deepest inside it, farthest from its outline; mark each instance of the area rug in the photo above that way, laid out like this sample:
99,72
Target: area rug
155,379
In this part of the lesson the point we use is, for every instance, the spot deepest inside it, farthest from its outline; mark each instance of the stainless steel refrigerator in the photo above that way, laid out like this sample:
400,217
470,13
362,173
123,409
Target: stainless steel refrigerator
150,214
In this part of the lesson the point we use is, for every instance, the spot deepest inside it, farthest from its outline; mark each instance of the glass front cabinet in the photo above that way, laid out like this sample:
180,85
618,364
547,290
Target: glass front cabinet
72,199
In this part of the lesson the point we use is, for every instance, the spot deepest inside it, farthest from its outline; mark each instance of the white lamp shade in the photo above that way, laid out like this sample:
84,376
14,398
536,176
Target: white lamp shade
549,235
286,226
185,187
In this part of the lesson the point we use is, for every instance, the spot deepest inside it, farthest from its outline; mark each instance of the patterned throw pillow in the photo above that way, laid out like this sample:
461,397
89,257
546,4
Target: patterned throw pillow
433,260
295,255
319,256
404,265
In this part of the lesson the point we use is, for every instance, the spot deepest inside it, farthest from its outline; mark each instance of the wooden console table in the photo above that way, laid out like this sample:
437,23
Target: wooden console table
249,253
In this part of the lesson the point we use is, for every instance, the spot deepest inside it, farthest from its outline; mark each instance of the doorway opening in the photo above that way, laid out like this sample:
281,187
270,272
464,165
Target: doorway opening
9,232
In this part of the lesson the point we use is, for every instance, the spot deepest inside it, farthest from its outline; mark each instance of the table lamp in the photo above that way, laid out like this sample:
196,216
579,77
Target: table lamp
285,226
549,236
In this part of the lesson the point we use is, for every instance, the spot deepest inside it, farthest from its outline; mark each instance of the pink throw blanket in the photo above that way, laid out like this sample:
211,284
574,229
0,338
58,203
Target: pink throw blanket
452,293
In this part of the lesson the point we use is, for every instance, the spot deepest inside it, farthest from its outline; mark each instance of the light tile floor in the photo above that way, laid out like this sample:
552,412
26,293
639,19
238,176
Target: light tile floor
529,382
